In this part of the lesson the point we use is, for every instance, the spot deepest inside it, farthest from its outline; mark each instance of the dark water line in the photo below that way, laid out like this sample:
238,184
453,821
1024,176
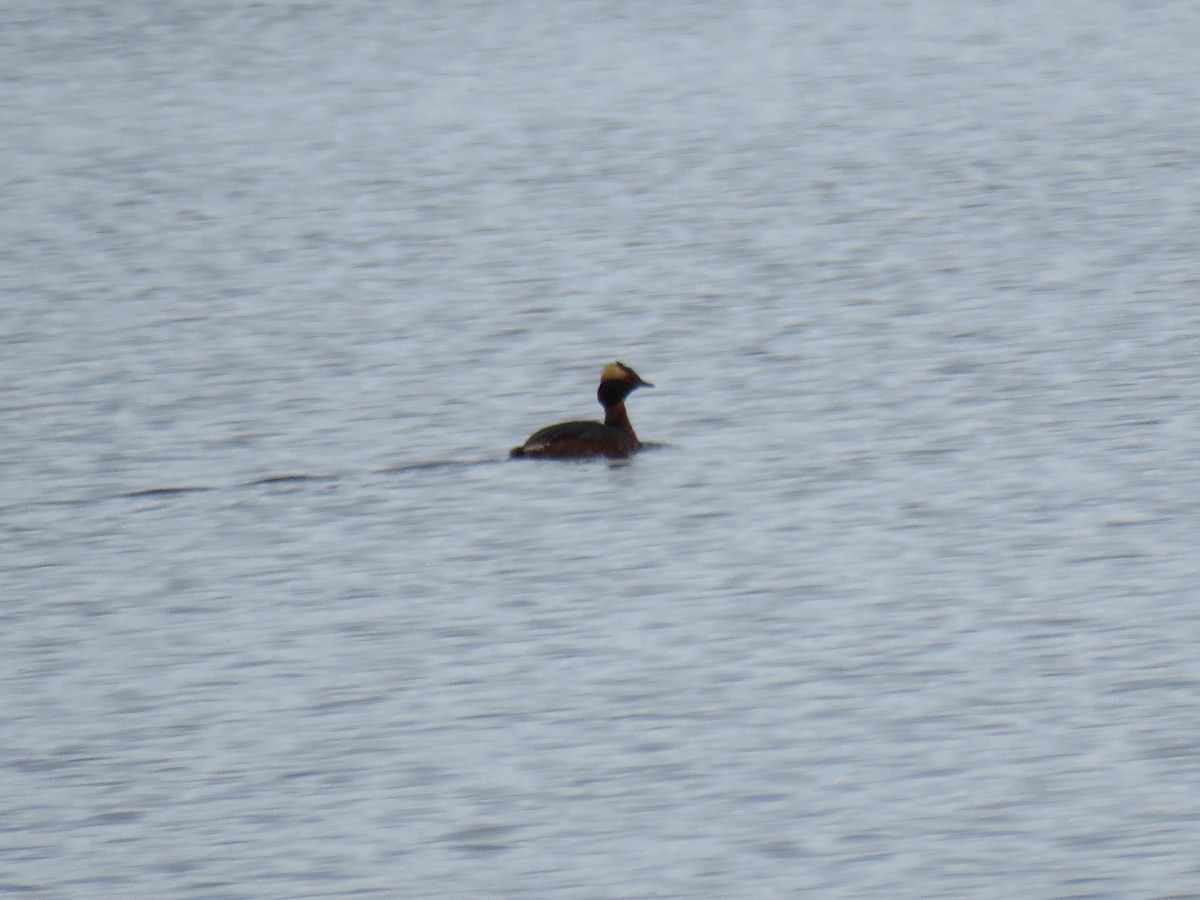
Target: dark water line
168,491
291,478
299,478
439,464
284,479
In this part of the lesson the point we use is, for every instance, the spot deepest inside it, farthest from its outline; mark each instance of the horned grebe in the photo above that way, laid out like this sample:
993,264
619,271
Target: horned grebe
614,437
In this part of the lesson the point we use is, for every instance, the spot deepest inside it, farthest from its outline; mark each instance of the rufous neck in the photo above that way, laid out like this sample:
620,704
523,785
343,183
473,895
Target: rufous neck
616,417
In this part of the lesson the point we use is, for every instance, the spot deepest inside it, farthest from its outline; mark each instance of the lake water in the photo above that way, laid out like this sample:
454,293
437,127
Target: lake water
905,606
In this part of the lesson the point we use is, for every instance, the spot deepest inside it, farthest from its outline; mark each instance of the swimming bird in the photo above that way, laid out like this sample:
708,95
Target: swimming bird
614,437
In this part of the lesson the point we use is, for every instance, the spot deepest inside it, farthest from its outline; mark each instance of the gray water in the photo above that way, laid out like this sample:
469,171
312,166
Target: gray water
905,605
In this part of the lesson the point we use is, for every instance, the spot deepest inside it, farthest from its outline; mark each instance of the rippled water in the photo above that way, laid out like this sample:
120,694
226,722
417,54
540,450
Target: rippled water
905,606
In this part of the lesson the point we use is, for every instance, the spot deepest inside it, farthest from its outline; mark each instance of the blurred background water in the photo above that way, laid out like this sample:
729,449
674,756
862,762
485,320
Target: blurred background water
907,605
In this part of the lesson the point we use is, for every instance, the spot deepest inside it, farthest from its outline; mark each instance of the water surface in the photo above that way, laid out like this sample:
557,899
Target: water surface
904,607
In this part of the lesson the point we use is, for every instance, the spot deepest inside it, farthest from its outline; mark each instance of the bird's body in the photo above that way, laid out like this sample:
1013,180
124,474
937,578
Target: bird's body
614,437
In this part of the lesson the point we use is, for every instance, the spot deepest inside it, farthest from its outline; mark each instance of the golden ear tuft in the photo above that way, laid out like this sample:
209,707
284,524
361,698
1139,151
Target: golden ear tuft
615,371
